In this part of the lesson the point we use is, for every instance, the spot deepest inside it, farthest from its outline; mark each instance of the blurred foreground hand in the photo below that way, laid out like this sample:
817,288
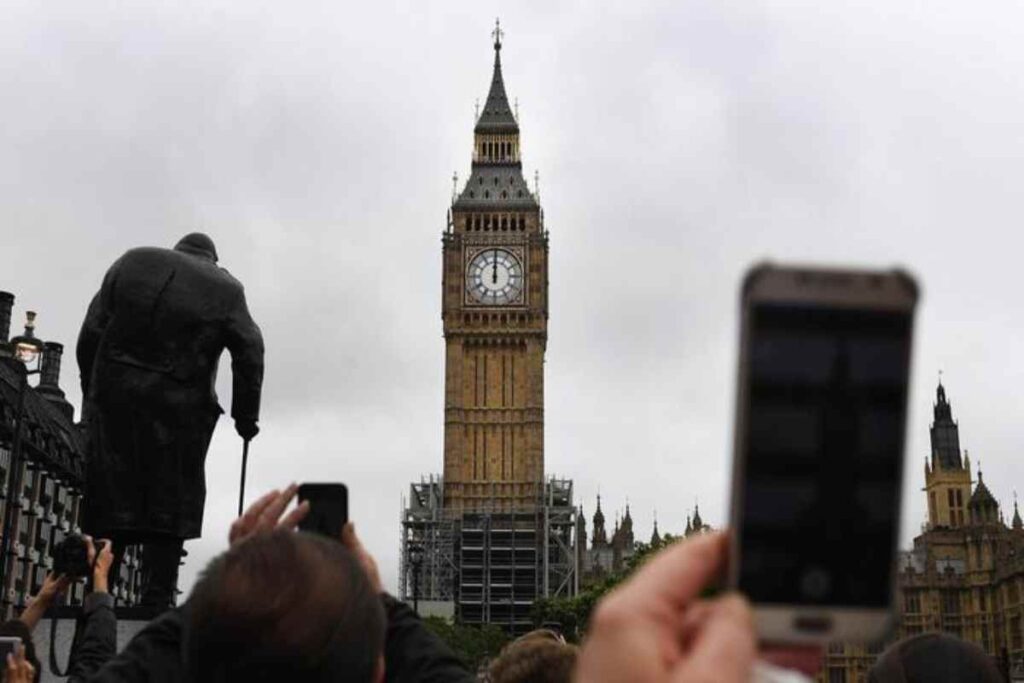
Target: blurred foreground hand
653,628
266,514
19,669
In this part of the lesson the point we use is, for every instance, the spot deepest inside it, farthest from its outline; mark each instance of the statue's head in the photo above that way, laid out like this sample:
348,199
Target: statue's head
197,244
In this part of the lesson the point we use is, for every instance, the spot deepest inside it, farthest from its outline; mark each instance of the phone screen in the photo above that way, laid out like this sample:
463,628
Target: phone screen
8,645
328,508
824,443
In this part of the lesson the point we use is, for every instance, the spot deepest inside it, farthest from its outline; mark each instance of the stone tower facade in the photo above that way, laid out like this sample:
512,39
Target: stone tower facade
495,314
965,573
947,476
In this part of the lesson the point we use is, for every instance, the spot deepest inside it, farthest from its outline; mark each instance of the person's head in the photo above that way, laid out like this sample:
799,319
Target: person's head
934,658
18,629
540,656
197,244
285,605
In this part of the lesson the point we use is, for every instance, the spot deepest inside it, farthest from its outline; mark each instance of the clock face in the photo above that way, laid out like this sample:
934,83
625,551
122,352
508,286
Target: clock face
495,277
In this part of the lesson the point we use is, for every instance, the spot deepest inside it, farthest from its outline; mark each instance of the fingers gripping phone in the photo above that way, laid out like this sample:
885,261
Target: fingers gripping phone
328,509
8,646
818,449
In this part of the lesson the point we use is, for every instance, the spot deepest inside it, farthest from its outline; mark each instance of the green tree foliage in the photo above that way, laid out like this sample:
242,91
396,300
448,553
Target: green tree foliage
572,614
474,645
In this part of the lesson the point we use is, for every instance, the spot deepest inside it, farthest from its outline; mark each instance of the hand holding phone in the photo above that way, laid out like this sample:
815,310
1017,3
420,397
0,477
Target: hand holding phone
8,646
820,425
328,509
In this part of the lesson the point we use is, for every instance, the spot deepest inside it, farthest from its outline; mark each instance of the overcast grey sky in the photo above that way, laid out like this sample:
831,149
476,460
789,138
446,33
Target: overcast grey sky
677,143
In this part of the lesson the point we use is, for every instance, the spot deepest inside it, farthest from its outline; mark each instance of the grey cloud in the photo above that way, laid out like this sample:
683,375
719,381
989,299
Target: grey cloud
676,144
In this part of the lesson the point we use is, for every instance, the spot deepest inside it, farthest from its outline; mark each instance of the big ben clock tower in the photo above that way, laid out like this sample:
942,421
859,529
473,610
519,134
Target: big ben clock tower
495,311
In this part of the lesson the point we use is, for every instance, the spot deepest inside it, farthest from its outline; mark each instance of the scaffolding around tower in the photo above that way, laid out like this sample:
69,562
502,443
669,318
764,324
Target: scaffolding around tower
428,539
488,567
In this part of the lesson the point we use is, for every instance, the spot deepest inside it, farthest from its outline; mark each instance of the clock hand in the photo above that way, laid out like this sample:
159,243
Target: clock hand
494,271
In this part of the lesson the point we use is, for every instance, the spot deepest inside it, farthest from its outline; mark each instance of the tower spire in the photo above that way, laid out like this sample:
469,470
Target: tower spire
497,34
655,536
497,116
945,433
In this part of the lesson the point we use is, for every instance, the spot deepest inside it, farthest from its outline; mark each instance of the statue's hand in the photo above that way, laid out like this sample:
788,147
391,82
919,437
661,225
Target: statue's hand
247,429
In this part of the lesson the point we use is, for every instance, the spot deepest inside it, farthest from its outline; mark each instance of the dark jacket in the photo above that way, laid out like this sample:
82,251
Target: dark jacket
412,654
95,638
148,352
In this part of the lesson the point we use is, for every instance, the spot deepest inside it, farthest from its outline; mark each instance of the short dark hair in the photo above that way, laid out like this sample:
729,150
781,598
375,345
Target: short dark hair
934,658
284,604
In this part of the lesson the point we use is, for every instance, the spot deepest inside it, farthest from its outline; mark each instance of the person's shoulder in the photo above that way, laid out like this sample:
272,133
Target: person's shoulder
153,654
169,623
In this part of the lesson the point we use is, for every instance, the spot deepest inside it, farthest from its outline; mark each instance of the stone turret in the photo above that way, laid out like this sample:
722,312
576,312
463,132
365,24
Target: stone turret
947,475
600,537
983,506
655,536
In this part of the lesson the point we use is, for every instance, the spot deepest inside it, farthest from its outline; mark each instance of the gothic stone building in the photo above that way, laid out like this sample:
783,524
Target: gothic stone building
609,554
965,573
47,481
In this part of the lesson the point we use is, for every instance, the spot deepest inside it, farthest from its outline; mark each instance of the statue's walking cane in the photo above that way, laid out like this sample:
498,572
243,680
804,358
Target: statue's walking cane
241,488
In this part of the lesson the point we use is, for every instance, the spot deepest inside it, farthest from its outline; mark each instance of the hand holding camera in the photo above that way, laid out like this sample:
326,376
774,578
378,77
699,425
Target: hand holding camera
76,558
101,560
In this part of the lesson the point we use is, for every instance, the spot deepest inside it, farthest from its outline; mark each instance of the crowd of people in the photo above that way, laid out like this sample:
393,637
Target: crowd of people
279,603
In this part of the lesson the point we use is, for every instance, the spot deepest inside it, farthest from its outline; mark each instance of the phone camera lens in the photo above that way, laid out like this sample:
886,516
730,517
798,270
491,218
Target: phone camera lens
815,583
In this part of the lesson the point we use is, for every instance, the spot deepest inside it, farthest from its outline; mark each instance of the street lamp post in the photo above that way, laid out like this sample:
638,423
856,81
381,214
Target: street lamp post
416,560
27,349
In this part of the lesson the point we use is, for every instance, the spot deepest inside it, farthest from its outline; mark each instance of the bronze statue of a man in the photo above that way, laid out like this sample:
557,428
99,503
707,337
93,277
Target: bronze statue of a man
148,352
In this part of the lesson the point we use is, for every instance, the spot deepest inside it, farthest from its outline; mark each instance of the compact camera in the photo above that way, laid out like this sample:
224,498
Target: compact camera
71,557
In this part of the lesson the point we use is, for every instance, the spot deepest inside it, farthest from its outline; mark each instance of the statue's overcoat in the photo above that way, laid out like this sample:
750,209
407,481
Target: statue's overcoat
148,353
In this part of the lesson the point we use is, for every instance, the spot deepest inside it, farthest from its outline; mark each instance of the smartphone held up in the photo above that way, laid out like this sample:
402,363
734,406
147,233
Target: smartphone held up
328,508
818,451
